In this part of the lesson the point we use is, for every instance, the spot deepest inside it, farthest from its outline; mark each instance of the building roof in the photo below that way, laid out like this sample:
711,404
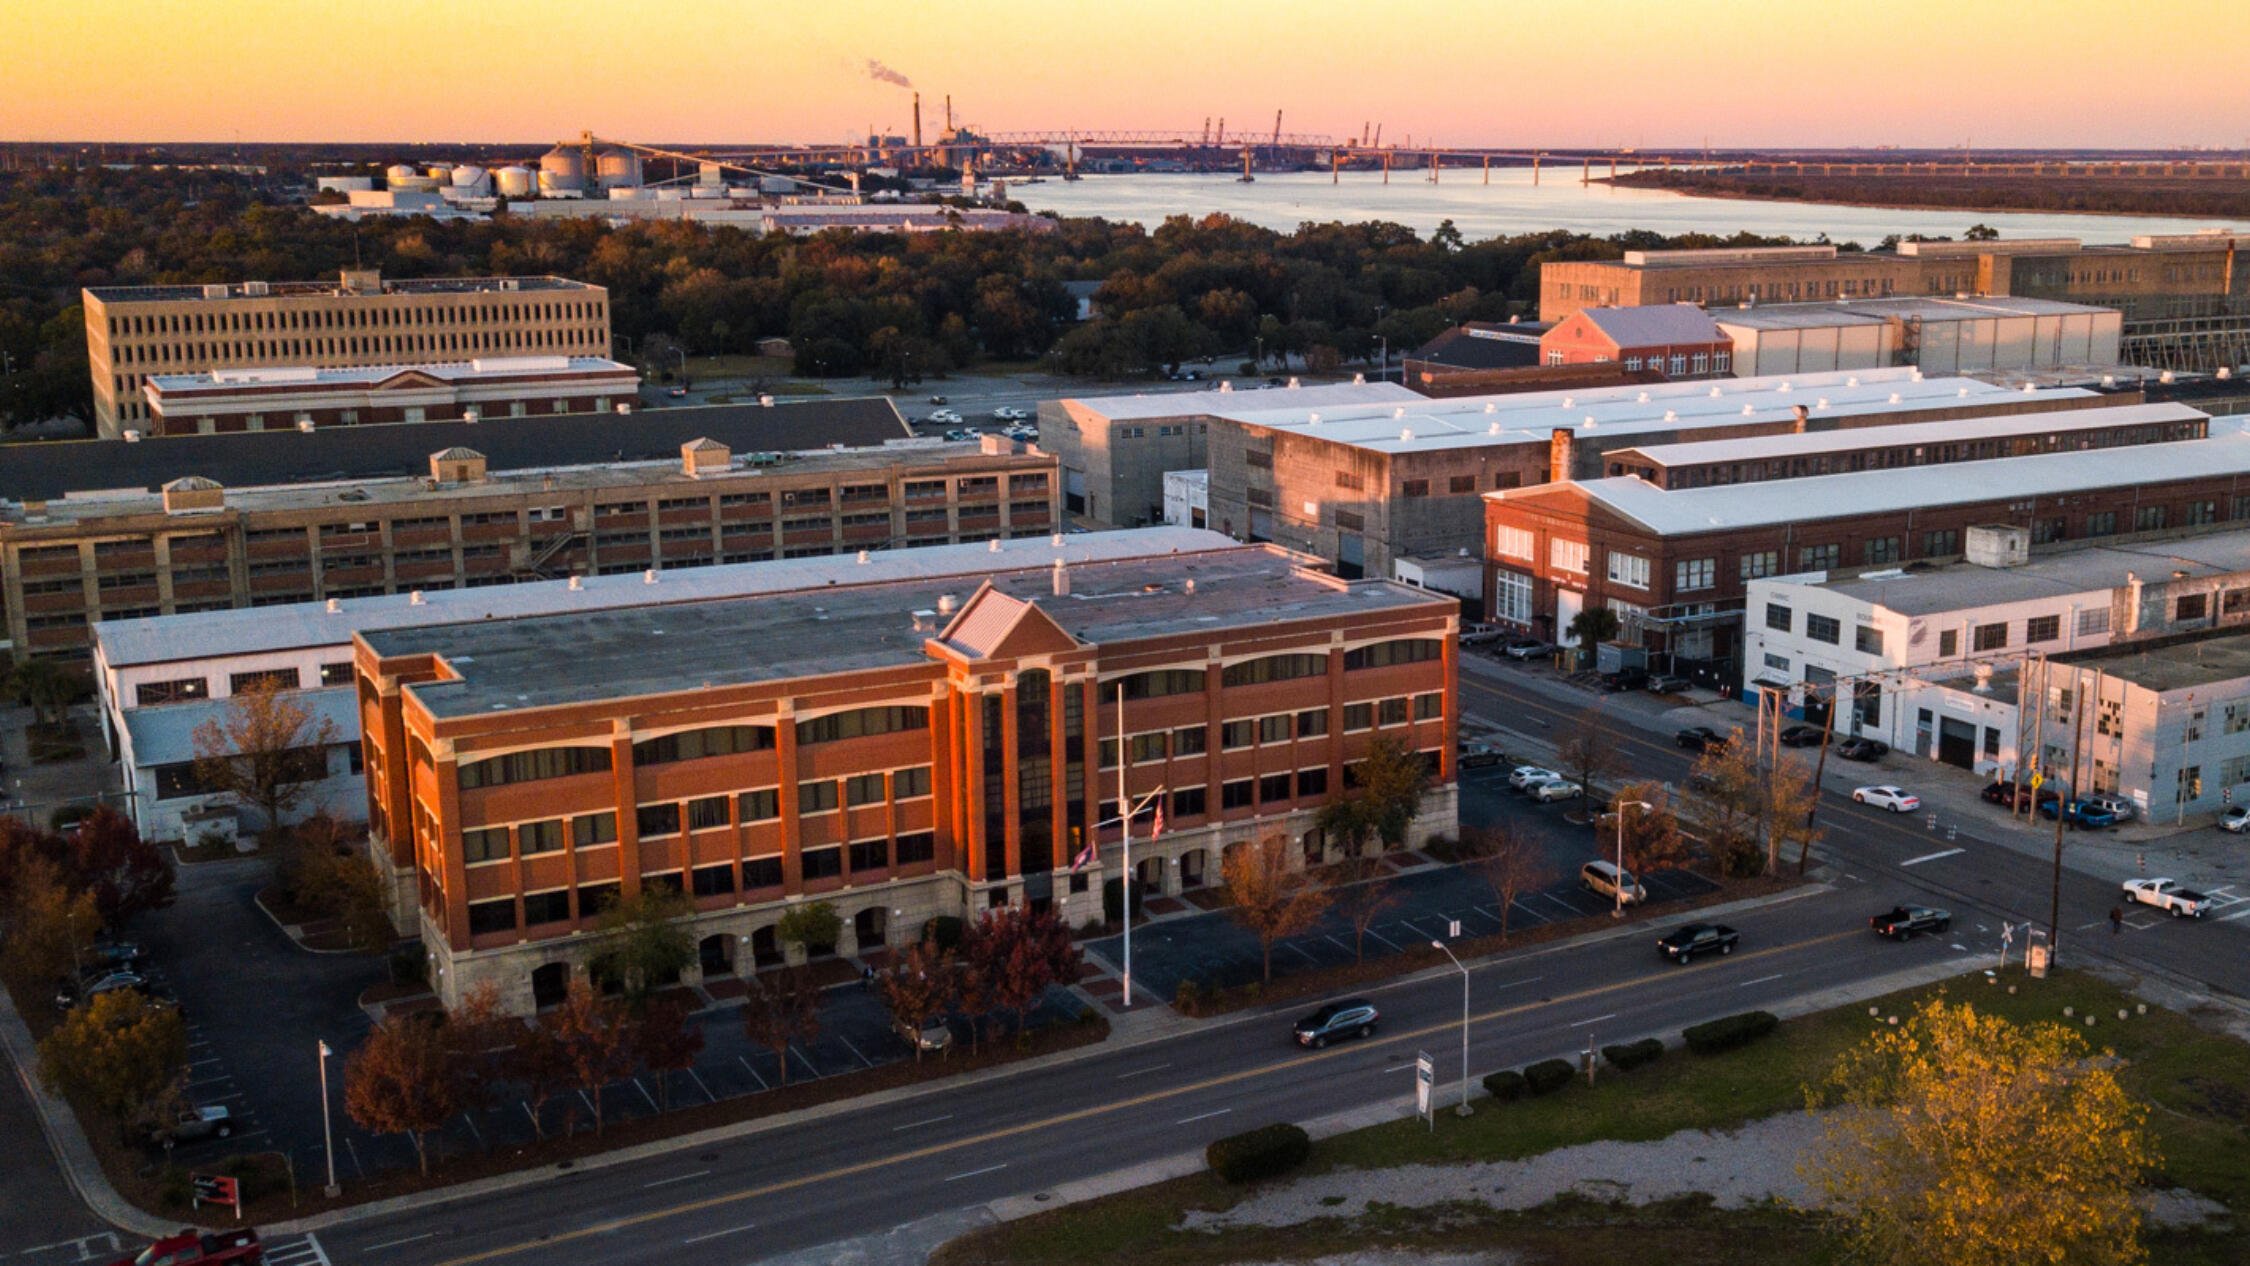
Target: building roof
333,289
1852,439
165,734
635,652
1794,316
1932,308
484,369
2172,663
1654,324
48,471
1421,423
1484,345
258,630
1728,507
1227,403
1965,586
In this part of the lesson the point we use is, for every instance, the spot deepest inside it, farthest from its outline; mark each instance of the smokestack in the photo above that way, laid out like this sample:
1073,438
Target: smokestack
1558,455
917,120
1798,426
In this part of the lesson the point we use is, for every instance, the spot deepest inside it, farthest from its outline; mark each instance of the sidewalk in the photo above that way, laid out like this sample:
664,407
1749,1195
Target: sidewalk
2195,851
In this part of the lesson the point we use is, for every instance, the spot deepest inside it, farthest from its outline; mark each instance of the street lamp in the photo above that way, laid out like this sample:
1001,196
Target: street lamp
327,1131
1618,911
1464,1109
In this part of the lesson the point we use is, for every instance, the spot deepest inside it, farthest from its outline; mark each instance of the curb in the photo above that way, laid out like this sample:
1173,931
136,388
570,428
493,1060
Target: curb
258,899
74,1154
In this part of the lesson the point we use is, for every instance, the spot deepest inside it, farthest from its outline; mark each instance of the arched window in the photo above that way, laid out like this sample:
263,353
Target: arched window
1251,672
1406,650
719,740
1158,683
531,766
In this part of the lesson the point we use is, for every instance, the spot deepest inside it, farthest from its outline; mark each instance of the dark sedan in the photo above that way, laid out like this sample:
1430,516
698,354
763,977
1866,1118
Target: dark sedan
1863,749
1700,738
1901,923
1698,938
1801,736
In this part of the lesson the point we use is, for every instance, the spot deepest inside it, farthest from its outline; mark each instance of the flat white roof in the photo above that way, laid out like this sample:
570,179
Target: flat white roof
346,375
1725,507
1181,404
1967,586
1699,452
254,630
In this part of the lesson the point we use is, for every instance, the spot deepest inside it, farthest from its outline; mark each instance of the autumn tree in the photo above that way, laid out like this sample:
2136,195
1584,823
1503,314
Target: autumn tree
1725,805
594,1039
1268,894
48,924
265,752
644,943
322,874
1392,780
1790,799
540,1065
1020,953
403,1080
919,987
779,1008
1359,892
119,1052
480,1040
1510,862
125,874
666,1041
1964,1137
45,688
1588,750
1650,830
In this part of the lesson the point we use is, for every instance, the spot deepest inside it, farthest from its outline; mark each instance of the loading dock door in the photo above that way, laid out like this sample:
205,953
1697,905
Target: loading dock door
1957,742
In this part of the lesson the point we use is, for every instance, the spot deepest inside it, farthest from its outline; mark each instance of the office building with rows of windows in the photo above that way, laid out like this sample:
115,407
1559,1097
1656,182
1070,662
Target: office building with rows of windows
901,750
136,333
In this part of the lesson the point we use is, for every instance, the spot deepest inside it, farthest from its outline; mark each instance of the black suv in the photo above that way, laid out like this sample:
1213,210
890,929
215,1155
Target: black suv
1700,738
1353,1017
1801,736
1698,938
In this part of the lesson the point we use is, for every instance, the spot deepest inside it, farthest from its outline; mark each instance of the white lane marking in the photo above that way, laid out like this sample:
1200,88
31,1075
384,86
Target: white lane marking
1514,983
2229,918
1203,1116
411,1239
989,1169
916,1125
1596,1020
1761,980
1398,1068
666,1182
1931,857
1152,1068
712,1235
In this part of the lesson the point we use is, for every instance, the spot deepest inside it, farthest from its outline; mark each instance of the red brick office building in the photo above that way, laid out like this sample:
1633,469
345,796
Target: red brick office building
895,749
1673,340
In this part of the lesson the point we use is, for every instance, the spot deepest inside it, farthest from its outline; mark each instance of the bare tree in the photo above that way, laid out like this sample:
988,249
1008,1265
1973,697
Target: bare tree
780,1007
265,752
1270,896
1587,751
1510,863
1725,804
1359,893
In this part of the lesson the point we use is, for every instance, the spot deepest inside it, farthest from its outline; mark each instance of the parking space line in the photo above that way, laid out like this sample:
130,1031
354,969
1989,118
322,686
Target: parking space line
1384,939
854,1050
1153,1068
525,1104
806,1060
358,1170
1301,950
1533,913
471,1122
2229,918
744,1060
700,1086
646,1095
1408,924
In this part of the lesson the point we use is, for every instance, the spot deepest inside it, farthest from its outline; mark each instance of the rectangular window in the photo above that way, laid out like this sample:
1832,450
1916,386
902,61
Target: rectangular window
1512,542
1821,628
1820,557
759,806
1393,712
761,872
1690,574
821,863
546,907
2042,628
1190,741
816,797
1312,722
1948,643
916,846
1188,802
539,837
862,789
2093,622
1990,637
1868,641
492,916
1349,481
1147,748
909,784
1511,596
150,694
654,820
336,674
2191,606
1630,570
1429,707
1461,483
588,829
871,855
485,844
712,881
1940,543
1779,617
2102,523
1760,563
1236,734
1416,488
1567,555
1882,549
1276,729
1274,788
1237,794
1358,716
2148,519
1107,755
707,813
1311,783
263,678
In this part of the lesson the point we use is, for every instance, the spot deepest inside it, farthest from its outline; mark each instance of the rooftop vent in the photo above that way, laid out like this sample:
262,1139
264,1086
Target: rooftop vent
1312,419
306,425
946,603
577,583
1062,579
1822,403
1643,398
1359,380
1852,381
335,606
1566,402
1399,412
471,416
1226,386
1749,410
1189,586
1406,435
132,437
1963,393
1490,407
1293,384
994,545
1671,415
649,577
415,599
1056,540
1714,393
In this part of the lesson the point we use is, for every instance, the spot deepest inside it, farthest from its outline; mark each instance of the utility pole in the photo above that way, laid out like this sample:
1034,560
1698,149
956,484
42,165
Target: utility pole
2062,811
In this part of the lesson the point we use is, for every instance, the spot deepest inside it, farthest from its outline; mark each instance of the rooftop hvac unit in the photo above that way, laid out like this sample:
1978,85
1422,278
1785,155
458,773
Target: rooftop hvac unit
256,289
215,291
305,425
132,437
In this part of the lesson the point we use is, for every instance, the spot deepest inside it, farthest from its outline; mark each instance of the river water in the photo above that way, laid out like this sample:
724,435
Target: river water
1512,204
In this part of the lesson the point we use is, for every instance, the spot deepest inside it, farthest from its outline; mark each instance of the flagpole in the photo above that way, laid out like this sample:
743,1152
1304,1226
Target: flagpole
1125,826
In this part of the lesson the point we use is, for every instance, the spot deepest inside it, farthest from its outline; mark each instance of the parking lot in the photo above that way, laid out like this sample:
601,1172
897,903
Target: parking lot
1214,951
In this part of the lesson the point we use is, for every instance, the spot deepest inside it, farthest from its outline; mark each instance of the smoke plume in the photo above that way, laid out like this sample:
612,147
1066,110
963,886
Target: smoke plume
880,73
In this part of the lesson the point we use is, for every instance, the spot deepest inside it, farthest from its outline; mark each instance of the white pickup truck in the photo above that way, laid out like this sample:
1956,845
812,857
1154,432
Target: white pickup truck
2167,894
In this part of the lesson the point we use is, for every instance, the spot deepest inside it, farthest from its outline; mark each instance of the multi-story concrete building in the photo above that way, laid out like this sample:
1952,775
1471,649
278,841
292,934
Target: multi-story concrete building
103,531
1674,563
134,333
159,678
1115,449
899,750
230,400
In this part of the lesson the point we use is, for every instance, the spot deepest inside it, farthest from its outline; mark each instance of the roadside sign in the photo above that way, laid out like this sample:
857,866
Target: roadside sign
216,1189
1425,1077
2037,780
1453,929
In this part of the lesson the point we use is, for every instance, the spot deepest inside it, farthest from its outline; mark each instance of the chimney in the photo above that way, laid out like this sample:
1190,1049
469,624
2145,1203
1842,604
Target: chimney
1798,426
1062,579
704,456
1558,455
917,120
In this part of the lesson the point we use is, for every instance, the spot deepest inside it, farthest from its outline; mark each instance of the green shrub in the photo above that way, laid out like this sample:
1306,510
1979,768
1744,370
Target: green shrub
1186,997
1630,1055
815,927
1548,1076
1505,1085
1728,1032
1266,1152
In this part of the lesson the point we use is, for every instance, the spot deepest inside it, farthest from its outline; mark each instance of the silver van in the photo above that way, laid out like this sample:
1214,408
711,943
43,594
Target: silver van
1604,878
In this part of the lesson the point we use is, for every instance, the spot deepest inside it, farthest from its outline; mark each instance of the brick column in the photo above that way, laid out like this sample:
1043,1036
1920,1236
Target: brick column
785,797
452,869
1013,797
621,777
970,789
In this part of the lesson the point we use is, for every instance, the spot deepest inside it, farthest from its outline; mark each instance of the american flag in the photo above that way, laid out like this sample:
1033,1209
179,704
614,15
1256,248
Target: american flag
1158,828
1086,853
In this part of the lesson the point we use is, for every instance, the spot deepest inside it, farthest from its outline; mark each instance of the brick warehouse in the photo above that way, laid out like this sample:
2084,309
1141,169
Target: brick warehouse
1674,562
897,749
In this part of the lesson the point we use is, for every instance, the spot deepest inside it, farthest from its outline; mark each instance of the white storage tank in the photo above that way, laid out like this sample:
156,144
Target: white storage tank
515,182
710,175
562,168
617,169
439,172
471,181
397,172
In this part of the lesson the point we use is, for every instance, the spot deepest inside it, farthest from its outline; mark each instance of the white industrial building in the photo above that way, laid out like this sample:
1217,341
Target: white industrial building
1187,498
1938,336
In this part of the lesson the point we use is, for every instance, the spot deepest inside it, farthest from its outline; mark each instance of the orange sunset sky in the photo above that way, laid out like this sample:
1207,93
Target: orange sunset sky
1459,72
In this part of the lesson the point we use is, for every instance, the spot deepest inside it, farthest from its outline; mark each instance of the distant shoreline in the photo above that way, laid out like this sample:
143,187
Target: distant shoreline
1932,204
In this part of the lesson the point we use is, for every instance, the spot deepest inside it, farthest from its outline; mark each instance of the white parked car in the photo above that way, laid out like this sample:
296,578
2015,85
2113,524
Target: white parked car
1555,789
1522,776
946,417
1896,799
2236,819
1007,414
2167,894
